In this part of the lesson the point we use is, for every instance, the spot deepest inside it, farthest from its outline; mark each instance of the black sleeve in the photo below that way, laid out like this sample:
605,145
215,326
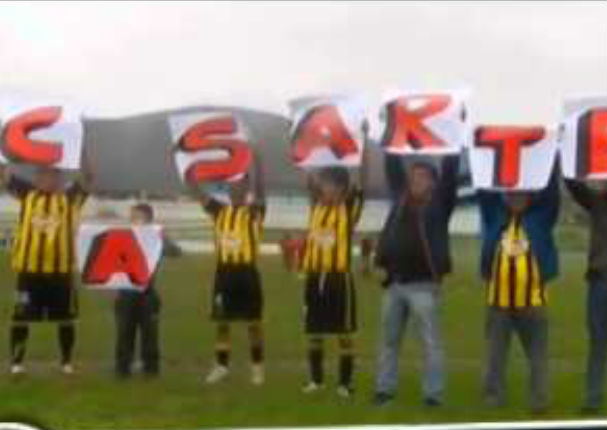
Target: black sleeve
355,203
18,187
213,207
581,193
77,193
259,211
395,175
448,180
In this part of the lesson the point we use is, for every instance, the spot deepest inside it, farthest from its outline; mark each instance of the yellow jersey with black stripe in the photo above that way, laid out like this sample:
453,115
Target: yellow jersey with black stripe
328,246
238,231
515,281
44,240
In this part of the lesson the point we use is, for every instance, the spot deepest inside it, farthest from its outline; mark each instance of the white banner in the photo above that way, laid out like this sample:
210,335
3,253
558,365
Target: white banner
327,131
210,146
423,123
40,132
583,139
111,257
512,157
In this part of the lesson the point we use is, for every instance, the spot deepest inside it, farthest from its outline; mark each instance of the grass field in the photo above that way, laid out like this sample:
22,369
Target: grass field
94,399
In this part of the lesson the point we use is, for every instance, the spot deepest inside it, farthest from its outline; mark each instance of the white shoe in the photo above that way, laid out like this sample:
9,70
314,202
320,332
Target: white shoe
344,392
217,374
311,387
67,369
258,375
17,369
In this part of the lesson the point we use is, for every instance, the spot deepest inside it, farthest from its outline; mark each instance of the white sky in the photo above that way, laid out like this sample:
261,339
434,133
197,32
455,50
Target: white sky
121,58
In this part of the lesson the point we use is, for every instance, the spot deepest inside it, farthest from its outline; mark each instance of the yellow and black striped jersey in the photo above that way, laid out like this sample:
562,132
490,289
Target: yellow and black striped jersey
44,240
329,239
515,281
238,232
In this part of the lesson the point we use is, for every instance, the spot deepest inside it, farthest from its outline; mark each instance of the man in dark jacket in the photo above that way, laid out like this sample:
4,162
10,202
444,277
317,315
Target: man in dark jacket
413,250
593,198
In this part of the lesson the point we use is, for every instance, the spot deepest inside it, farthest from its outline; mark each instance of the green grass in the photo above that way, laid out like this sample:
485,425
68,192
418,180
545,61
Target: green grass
94,399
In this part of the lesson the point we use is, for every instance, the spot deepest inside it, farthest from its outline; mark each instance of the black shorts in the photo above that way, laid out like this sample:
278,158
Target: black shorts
237,295
330,303
42,297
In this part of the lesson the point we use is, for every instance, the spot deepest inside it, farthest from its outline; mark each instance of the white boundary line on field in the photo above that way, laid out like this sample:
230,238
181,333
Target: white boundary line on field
462,426
465,426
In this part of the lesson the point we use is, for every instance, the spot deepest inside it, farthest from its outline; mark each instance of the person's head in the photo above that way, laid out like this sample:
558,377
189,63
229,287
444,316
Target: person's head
421,179
517,201
142,213
333,183
48,179
239,191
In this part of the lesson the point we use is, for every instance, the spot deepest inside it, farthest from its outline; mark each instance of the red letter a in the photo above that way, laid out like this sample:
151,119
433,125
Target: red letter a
322,127
116,251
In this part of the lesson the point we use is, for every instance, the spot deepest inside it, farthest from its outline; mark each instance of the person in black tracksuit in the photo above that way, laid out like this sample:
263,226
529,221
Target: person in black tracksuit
138,312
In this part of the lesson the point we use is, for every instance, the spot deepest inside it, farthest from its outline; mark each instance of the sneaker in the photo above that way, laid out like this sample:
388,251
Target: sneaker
258,375
432,402
590,410
67,369
539,410
494,401
311,387
217,374
345,392
17,369
381,399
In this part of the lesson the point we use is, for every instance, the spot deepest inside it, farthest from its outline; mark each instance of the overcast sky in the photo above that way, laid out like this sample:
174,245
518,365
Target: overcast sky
126,58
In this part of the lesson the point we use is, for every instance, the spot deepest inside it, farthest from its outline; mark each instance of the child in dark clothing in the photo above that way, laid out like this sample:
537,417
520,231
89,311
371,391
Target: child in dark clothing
135,312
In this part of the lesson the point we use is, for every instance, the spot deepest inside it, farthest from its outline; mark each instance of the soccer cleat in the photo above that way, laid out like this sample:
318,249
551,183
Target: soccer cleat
258,375
217,374
432,402
381,399
345,392
17,369
67,369
312,387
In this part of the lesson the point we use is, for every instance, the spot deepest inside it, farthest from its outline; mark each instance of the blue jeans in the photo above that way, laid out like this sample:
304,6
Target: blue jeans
597,356
419,301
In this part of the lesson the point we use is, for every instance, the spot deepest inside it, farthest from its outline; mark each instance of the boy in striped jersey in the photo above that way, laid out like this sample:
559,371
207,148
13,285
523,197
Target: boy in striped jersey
237,293
330,297
518,259
43,258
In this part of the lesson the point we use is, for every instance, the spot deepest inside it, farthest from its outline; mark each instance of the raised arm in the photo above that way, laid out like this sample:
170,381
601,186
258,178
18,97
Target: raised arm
396,176
549,199
200,193
4,176
581,193
449,180
87,177
312,185
14,185
259,185
363,173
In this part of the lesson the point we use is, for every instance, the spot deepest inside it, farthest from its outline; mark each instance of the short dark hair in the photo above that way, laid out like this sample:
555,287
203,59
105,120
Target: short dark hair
336,175
146,209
